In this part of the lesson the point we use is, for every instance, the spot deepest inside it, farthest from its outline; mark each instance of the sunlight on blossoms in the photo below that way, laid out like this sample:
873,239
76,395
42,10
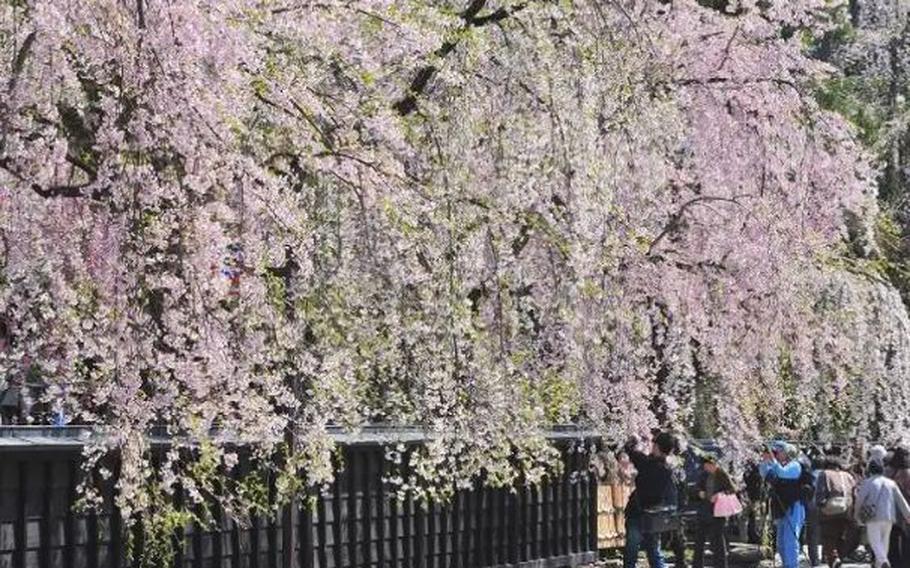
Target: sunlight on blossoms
248,222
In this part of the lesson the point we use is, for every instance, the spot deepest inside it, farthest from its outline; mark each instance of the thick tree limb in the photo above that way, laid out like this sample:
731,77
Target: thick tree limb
472,18
19,63
69,190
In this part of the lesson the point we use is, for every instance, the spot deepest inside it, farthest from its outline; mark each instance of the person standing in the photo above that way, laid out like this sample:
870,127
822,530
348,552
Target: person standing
878,502
714,482
654,487
811,530
783,473
754,486
834,489
677,539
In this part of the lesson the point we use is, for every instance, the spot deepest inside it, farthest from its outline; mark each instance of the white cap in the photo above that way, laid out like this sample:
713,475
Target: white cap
877,453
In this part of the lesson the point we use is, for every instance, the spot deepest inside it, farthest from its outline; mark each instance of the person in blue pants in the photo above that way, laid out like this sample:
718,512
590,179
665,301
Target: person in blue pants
782,471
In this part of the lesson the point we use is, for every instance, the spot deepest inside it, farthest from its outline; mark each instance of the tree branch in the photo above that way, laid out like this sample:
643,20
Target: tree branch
734,82
68,191
676,218
472,18
19,63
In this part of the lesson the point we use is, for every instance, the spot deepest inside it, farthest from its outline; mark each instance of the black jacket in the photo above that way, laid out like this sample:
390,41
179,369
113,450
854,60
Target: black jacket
654,484
754,483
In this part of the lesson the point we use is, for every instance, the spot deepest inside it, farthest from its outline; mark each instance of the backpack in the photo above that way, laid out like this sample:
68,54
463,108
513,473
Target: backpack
836,496
786,492
806,485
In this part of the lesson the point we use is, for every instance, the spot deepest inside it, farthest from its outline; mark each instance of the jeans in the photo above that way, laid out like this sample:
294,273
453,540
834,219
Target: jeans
636,540
715,530
788,529
879,535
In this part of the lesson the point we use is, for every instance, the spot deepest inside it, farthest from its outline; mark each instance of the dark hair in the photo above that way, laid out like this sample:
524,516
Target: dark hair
875,467
666,443
834,463
900,458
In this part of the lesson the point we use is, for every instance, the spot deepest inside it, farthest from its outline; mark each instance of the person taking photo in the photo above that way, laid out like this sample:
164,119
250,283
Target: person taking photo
654,488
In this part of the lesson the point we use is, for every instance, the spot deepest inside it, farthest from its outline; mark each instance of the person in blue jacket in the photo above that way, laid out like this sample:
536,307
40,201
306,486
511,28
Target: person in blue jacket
782,471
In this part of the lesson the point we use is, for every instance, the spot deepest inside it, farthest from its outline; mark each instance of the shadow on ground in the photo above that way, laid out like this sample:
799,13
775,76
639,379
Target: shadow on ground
741,556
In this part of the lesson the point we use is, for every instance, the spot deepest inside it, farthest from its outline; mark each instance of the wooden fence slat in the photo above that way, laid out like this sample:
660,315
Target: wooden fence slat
393,530
502,537
91,551
179,538
352,490
69,522
381,512
465,516
253,536
406,532
577,521
217,537
444,535
236,558
322,504
367,514
430,538
420,548
19,527
44,558
274,552
337,533
305,533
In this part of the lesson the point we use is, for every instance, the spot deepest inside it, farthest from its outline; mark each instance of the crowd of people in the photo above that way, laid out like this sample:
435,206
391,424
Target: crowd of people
818,501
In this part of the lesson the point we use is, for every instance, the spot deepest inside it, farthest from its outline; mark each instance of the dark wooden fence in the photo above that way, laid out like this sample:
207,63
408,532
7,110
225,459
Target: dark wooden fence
356,524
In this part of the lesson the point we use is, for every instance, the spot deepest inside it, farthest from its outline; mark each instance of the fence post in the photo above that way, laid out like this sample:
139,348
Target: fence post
45,525
337,532
288,534
368,515
352,461
118,557
20,527
69,522
289,515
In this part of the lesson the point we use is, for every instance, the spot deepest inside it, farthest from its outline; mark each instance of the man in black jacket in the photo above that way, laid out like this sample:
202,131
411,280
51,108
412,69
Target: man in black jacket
756,491
654,487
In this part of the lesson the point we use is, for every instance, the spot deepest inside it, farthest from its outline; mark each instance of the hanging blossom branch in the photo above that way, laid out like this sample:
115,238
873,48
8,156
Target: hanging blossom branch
282,251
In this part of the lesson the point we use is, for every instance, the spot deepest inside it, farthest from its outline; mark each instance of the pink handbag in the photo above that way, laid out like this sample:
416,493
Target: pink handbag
727,505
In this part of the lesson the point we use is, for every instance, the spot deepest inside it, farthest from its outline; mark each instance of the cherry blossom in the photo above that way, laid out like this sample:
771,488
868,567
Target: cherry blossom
249,220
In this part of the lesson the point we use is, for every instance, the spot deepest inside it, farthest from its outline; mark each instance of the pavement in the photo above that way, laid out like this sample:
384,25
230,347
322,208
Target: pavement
742,556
